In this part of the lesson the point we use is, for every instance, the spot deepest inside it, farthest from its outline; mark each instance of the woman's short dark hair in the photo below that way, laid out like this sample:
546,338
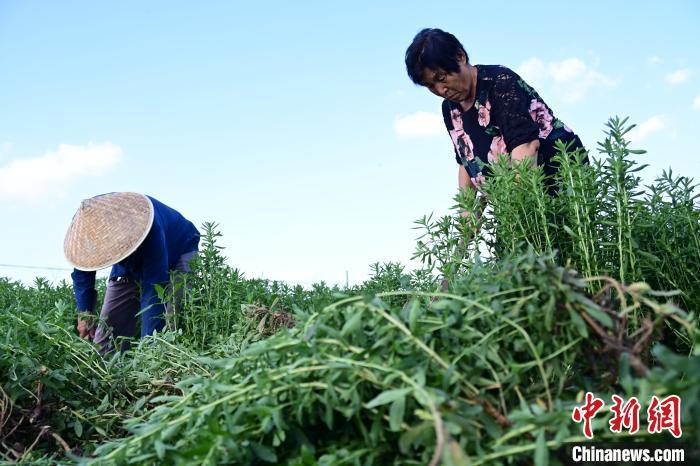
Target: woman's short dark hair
432,49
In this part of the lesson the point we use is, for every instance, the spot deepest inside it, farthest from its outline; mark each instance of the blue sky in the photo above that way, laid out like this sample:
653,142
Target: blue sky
293,124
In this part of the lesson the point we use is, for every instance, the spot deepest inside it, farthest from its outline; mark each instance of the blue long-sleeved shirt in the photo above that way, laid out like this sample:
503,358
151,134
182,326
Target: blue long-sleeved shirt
171,236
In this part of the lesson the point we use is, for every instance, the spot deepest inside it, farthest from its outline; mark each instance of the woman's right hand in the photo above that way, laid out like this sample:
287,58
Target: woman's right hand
86,326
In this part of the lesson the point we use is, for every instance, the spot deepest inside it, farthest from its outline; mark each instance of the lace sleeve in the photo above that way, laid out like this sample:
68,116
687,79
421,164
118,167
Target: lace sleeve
511,110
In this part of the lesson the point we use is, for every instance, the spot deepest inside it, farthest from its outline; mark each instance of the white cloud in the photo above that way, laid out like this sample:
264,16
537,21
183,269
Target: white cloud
654,60
46,176
570,79
533,69
567,70
696,102
419,124
648,127
678,76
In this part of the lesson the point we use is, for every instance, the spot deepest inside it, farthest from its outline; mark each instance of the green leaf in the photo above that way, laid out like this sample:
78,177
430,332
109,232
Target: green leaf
408,438
541,452
413,315
396,412
78,428
139,403
104,404
165,398
352,324
388,397
58,376
160,449
601,317
160,290
579,323
453,455
264,453
169,432
569,231
328,412
648,256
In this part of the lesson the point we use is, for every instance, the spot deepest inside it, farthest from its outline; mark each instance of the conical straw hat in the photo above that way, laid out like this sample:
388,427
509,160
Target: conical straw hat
107,229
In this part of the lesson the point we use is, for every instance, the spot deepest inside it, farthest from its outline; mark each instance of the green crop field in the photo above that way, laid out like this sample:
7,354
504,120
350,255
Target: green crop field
477,357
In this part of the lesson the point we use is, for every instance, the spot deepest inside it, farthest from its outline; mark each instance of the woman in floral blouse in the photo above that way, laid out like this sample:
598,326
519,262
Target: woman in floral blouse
488,109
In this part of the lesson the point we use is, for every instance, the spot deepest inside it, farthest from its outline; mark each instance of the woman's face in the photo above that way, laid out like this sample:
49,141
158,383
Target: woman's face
451,86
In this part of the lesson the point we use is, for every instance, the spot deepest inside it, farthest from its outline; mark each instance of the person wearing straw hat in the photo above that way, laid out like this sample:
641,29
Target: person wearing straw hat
143,240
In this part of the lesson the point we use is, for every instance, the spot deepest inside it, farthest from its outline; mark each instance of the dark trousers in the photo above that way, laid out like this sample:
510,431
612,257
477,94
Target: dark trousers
121,305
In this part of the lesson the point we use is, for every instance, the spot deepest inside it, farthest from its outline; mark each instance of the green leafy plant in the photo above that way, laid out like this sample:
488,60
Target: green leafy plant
525,301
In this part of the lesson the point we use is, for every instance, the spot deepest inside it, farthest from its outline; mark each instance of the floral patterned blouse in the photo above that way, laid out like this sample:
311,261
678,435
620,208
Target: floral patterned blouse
507,112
